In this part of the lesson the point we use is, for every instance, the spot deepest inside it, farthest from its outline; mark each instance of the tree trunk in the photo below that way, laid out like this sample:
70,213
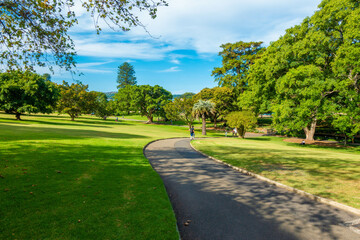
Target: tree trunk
215,120
17,115
203,125
310,132
241,132
150,119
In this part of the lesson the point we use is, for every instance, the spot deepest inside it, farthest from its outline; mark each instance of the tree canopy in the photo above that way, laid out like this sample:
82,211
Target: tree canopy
203,108
126,75
180,109
148,100
36,33
311,73
242,121
75,99
22,92
236,60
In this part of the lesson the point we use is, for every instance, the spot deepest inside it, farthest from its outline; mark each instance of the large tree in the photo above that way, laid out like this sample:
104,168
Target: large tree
126,75
148,100
34,32
75,99
310,70
22,92
236,61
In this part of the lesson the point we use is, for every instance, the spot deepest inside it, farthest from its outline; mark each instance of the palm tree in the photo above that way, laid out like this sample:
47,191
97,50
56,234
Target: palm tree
203,108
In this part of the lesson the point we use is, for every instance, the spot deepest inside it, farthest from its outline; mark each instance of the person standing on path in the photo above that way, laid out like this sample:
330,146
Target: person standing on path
192,133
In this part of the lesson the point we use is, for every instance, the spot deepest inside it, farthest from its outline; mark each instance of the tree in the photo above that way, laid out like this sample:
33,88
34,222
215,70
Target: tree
311,70
126,75
22,92
123,100
242,121
187,95
103,107
204,94
180,109
203,109
75,99
224,100
150,101
236,61
36,32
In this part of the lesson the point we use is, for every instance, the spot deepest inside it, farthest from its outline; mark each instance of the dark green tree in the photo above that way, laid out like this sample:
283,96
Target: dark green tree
22,92
236,61
126,75
103,107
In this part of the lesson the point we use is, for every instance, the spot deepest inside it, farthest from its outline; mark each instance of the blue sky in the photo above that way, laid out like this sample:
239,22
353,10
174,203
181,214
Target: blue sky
186,40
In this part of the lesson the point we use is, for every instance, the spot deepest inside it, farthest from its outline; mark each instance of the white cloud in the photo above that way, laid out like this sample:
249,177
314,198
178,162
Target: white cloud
172,69
201,25
175,61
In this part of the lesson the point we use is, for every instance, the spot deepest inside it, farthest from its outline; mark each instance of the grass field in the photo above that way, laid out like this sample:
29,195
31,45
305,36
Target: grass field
326,172
82,179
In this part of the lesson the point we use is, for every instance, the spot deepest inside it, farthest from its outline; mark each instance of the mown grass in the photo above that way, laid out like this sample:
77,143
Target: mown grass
323,171
82,179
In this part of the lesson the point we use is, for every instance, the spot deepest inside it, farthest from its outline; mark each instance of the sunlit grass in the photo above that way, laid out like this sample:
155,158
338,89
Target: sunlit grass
82,179
326,172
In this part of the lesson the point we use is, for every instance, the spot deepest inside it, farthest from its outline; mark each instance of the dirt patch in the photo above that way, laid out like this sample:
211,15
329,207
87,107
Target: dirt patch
318,143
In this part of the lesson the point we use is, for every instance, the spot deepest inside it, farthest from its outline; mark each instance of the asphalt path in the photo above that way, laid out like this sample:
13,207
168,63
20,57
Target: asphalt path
213,201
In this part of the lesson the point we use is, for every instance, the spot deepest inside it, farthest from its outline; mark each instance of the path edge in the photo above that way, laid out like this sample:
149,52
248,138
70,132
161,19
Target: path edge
144,148
291,189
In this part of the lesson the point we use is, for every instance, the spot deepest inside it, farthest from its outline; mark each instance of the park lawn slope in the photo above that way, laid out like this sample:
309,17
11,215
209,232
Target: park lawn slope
82,179
326,172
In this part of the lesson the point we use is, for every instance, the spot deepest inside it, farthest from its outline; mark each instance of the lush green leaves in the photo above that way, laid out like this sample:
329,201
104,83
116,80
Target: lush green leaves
75,100
22,92
242,121
34,32
126,75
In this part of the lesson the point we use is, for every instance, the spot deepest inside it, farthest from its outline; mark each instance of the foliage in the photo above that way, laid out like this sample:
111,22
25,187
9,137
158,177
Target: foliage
311,72
103,107
236,61
204,94
36,32
22,92
203,108
187,95
75,99
148,100
180,109
126,75
123,100
242,121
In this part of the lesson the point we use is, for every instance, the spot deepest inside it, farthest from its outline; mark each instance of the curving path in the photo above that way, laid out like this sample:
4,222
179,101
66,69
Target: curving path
212,201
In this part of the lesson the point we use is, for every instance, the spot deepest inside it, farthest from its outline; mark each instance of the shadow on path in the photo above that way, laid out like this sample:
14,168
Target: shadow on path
212,201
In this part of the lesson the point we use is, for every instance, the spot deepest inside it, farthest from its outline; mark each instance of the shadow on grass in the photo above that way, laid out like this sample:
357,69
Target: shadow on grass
262,160
82,191
15,133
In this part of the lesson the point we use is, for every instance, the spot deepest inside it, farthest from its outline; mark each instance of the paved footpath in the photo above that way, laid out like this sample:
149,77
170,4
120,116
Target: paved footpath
212,201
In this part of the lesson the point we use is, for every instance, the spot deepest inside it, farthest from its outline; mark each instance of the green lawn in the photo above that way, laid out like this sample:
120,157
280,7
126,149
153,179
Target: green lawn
326,172
82,179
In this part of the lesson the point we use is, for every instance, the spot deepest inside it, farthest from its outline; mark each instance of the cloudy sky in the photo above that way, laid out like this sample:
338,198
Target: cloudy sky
185,40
